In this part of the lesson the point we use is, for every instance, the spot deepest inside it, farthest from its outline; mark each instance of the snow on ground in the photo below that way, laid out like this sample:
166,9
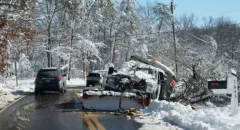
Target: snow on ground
26,85
168,116
110,93
10,92
5,96
76,81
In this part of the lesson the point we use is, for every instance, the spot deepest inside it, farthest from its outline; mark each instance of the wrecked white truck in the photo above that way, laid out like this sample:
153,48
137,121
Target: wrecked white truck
134,86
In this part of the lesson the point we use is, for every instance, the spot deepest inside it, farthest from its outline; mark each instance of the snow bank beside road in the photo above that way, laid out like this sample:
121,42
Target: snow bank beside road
25,85
208,118
9,92
5,96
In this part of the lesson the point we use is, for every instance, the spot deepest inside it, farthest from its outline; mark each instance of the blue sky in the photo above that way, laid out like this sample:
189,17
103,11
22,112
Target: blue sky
204,8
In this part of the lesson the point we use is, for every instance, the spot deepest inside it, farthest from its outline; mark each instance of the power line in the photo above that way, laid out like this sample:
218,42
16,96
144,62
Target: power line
226,12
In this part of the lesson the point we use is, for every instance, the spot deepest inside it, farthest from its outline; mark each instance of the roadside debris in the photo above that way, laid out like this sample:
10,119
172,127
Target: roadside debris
132,112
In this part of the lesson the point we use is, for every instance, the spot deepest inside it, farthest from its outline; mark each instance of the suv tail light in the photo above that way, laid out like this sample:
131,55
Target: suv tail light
59,78
85,96
36,79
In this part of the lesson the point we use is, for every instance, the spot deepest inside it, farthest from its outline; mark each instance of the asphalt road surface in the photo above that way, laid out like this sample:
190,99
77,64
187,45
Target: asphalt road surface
52,111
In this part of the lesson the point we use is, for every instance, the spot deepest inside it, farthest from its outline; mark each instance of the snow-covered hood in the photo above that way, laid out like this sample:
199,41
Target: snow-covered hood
130,68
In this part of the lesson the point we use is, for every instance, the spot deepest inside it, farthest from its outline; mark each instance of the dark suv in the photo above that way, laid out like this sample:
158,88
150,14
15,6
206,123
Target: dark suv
50,79
93,79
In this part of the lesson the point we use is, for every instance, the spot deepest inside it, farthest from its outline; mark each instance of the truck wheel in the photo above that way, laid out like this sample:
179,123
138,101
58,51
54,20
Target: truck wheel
64,87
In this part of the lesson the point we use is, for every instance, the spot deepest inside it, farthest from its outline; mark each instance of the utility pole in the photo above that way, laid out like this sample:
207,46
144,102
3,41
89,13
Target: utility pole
174,37
71,42
113,49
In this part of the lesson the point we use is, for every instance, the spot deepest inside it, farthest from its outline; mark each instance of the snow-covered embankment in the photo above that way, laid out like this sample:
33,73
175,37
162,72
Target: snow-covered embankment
9,92
169,115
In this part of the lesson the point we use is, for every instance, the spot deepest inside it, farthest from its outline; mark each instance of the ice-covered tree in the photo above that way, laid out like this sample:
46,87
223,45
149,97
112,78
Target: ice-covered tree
15,28
25,69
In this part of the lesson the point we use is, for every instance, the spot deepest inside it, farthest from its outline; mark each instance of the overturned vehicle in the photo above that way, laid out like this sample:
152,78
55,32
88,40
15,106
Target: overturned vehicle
134,86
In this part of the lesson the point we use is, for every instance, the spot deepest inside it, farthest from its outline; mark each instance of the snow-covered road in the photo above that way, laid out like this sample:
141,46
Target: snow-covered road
9,92
159,115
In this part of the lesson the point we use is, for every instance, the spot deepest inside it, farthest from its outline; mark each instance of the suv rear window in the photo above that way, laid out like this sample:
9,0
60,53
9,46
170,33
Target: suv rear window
94,75
49,73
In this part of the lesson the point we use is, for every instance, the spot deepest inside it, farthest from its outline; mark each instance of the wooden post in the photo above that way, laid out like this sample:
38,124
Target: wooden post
16,73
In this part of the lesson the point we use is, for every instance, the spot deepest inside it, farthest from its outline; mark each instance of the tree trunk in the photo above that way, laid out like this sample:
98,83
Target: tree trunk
49,45
194,72
104,33
83,65
113,49
71,42
69,68
111,32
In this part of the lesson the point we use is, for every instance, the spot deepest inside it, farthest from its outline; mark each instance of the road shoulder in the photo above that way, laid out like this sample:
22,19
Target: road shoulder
7,105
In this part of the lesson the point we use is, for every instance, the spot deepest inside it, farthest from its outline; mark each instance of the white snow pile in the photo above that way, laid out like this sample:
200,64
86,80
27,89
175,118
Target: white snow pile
164,67
179,89
110,93
24,85
149,78
128,67
208,118
10,92
76,81
5,96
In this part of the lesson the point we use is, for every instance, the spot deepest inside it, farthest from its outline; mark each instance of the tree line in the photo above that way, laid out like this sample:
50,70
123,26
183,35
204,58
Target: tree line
81,33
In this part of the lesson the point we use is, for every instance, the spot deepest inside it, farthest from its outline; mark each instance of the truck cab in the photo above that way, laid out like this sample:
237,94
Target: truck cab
144,76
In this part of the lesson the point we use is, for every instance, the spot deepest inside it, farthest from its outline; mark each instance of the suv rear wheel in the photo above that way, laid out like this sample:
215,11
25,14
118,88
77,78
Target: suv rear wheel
36,91
62,91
